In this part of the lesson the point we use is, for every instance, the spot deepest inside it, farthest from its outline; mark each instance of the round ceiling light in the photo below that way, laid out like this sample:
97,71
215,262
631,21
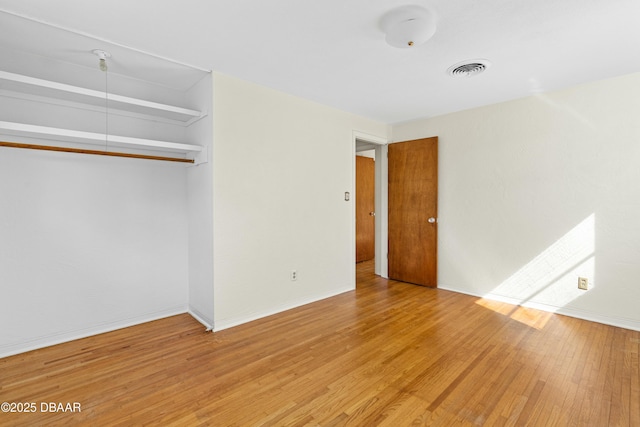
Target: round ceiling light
408,26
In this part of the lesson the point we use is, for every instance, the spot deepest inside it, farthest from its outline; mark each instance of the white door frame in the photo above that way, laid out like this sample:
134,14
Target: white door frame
381,200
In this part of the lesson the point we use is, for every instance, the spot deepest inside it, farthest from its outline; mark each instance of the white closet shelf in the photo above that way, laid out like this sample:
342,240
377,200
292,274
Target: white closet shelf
22,129
26,84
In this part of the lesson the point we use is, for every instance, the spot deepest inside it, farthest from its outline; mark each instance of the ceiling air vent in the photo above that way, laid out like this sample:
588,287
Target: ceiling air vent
468,68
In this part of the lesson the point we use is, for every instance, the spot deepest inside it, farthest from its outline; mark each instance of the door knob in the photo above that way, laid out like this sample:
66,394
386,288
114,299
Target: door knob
432,220
372,213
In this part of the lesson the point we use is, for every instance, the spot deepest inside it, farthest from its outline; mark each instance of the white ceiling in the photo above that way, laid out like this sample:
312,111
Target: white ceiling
333,51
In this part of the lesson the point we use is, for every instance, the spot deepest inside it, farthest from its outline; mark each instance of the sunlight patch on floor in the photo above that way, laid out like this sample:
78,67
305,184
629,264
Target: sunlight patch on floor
531,317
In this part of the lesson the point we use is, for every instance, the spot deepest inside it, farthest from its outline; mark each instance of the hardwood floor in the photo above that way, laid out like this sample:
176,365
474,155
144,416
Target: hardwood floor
389,354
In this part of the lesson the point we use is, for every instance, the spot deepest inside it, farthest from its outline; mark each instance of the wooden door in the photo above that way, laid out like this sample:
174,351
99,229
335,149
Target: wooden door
413,211
365,208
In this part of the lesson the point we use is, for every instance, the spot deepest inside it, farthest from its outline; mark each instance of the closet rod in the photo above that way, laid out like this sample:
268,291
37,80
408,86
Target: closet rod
95,152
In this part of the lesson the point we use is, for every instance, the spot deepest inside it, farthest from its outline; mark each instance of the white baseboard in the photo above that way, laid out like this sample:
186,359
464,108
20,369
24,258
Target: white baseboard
62,337
201,318
249,317
620,322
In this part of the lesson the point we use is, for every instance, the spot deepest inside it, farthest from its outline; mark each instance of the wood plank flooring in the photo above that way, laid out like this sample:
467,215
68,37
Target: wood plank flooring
388,354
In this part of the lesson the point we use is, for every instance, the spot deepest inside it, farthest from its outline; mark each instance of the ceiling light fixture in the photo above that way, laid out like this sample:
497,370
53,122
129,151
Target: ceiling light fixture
408,26
102,58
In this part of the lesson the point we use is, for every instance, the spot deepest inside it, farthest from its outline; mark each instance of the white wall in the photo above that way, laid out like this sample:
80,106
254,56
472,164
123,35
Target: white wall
200,197
87,244
368,153
536,192
281,167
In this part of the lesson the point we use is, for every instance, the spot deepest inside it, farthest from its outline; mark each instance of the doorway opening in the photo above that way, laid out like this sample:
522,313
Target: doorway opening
374,148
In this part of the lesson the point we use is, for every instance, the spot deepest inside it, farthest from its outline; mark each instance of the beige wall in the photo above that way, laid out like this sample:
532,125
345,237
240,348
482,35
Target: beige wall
538,191
281,167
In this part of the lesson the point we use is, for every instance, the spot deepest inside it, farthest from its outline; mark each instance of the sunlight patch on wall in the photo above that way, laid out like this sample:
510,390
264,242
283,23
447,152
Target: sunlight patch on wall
551,278
563,108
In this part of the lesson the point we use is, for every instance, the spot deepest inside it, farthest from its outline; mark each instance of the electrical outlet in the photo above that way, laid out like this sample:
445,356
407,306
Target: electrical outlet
294,275
583,283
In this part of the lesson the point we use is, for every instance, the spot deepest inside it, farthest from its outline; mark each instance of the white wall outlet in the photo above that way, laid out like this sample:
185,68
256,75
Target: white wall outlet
583,283
294,275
